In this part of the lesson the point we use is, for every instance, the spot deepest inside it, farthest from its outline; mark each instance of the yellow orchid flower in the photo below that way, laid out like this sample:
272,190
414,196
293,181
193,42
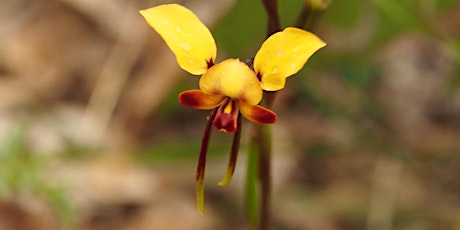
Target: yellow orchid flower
230,87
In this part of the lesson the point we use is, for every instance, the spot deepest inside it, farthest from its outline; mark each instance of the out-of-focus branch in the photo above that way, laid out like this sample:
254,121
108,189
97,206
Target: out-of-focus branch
271,6
122,21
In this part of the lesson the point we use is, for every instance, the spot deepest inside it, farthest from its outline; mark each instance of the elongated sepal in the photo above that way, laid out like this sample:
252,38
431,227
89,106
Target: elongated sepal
200,170
200,190
233,154
228,176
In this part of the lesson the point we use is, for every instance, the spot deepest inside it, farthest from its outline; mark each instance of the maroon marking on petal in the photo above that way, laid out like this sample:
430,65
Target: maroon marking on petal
225,123
210,63
197,99
266,117
258,114
190,99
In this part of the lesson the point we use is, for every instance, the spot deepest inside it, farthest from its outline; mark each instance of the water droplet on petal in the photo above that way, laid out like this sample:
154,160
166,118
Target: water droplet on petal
296,49
274,69
293,66
280,53
165,22
189,34
178,29
186,46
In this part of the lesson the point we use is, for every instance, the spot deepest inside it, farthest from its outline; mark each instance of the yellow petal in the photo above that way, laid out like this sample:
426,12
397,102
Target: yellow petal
232,78
284,54
188,38
197,99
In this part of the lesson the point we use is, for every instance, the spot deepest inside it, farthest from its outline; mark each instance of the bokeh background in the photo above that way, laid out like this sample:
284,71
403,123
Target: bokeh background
92,136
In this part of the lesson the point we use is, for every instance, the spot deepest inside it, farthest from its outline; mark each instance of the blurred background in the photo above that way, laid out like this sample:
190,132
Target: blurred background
92,136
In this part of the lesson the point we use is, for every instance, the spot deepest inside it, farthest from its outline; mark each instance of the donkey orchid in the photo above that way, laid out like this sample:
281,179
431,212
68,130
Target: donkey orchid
231,87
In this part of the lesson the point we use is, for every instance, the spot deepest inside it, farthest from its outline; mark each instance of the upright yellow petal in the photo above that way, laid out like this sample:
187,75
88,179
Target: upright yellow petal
284,54
232,78
188,38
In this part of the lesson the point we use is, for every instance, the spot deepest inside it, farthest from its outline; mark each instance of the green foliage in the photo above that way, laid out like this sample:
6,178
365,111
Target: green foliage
344,13
238,31
20,172
242,31
181,150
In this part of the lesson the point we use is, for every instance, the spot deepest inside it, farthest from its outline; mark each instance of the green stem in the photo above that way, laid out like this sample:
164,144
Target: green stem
264,149
261,133
259,178
252,190
258,187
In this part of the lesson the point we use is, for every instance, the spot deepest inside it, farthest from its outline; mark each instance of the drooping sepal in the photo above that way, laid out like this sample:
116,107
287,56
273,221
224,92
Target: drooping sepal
200,169
233,154
200,190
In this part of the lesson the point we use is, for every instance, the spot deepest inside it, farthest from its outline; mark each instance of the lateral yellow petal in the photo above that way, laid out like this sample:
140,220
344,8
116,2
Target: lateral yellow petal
188,38
284,54
232,78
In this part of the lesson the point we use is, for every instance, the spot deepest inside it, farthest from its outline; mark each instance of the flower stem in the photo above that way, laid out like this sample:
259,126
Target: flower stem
264,144
261,133
259,161
252,189
258,187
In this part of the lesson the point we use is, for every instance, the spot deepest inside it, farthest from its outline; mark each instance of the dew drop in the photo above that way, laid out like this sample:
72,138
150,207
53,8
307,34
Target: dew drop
165,22
293,66
189,34
274,69
280,53
296,49
178,29
186,46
